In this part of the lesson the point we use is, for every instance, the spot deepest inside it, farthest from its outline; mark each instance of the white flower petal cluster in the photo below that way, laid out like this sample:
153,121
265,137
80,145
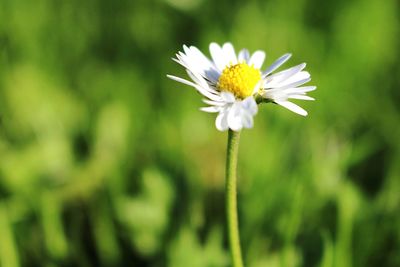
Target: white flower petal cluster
236,112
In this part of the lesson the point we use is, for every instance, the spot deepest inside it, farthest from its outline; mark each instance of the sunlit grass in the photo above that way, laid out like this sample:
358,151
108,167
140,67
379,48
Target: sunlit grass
102,165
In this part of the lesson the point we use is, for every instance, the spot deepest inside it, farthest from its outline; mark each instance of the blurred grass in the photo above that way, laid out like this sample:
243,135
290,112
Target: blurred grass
105,162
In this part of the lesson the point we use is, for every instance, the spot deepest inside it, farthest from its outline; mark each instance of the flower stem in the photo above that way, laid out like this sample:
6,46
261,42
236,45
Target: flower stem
231,195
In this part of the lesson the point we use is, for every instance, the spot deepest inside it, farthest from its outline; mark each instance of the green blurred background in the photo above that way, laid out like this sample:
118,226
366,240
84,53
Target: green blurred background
106,162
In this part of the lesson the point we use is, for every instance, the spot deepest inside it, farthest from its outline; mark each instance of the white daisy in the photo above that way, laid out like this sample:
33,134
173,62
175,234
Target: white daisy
233,85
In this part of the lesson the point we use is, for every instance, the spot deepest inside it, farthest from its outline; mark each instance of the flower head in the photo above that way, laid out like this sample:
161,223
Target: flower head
233,84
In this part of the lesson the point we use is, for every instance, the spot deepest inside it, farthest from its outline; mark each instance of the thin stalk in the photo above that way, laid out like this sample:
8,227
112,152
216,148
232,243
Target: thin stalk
231,198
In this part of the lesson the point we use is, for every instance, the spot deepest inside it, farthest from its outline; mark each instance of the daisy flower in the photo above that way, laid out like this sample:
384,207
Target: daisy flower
233,84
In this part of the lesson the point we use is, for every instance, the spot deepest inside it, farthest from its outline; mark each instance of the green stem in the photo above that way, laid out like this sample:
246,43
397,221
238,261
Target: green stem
231,194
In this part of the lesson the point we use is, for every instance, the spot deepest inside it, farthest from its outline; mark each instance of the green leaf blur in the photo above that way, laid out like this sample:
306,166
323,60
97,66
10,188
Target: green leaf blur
106,162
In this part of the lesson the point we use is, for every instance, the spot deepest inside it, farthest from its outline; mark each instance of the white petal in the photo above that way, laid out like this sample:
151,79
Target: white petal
303,89
221,122
244,55
214,103
183,61
178,79
295,84
186,49
274,94
196,52
277,64
195,61
247,120
217,56
257,87
198,79
297,79
204,91
228,97
257,59
292,107
281,94
210,109
235,117
207,94
272,80
249,104
229,53
301,97
205,66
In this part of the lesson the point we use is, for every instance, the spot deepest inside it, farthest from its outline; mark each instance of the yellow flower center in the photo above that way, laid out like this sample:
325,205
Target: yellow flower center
239,79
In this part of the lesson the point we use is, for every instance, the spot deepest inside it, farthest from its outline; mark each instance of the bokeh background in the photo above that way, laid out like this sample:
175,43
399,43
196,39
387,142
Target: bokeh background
106,162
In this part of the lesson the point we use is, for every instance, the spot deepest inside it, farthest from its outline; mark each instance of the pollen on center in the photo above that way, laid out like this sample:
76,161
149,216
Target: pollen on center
239,79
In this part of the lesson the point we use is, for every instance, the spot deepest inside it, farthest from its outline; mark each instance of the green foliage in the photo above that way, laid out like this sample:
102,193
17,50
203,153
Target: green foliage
106,162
